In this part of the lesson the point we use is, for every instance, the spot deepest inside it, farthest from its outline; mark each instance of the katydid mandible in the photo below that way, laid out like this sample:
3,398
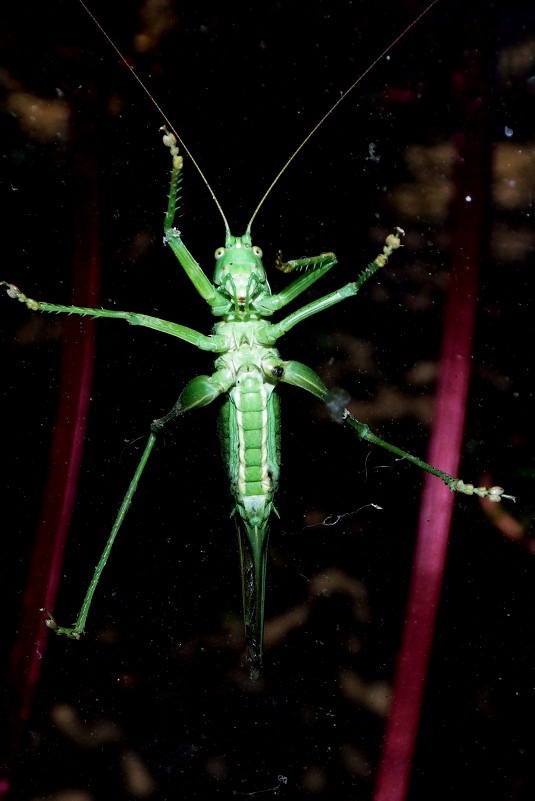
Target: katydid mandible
248,369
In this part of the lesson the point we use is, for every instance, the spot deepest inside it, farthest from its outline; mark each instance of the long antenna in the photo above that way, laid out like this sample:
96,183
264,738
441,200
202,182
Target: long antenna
392,44
158,108
296,152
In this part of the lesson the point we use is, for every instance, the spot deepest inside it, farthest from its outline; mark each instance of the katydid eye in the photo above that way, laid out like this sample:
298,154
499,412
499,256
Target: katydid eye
257,251
219,252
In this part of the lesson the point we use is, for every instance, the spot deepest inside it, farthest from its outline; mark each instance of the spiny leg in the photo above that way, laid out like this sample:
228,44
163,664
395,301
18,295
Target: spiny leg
314,268
392,243
211,342
75,632
300,375
494,494
172,237
200,391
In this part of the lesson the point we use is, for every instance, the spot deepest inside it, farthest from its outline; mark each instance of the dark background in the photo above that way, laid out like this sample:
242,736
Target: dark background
153,702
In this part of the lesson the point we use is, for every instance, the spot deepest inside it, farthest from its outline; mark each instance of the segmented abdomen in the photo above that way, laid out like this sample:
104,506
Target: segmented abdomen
250,436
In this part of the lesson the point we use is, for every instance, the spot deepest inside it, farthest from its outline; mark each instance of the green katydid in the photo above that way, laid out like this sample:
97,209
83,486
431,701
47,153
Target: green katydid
248,369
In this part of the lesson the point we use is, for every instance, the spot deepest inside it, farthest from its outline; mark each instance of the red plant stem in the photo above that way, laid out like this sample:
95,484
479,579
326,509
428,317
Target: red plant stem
467,237
77,367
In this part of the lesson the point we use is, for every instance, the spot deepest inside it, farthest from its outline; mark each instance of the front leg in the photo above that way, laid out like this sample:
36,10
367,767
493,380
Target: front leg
172,237
392,242
315,266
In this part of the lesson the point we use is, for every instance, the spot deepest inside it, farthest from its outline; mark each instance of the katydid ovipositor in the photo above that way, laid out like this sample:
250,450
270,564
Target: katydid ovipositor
248,368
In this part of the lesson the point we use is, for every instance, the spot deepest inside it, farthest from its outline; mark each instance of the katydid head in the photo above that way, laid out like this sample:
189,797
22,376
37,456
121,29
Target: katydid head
239,273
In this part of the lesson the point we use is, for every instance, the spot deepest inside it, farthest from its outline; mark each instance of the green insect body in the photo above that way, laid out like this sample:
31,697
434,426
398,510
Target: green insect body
248,369
249,428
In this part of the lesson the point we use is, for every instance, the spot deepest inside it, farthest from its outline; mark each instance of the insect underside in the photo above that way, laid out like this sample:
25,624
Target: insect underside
248,369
